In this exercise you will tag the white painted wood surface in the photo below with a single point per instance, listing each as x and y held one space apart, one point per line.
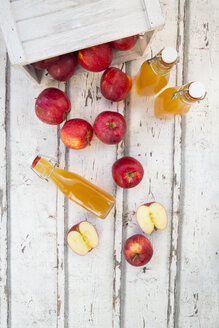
43 284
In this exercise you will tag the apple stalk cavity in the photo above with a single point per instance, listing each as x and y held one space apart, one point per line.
138 250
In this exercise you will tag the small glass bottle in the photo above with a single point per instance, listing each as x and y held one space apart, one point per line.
178 100
75 187
154 73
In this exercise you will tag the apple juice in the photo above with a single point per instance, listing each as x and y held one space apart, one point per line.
154 73
178 100
76 188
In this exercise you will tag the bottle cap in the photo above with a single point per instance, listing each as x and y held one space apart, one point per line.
197 90
169 55
32 161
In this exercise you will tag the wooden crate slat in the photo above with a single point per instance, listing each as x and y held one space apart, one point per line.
26 9
73 19
9 29
72 40
154 13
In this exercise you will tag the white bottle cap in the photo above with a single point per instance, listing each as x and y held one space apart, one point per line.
197 90
169 55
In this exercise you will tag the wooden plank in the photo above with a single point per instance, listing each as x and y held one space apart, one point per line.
199 281
176 186
4 202
145 289
33 215
90 278
11 36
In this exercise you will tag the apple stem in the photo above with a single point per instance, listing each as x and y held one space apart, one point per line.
130 175
135 257
112 125
88 138
122 66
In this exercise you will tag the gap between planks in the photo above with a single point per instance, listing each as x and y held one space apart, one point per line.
5 194
61 226
117 245
176 223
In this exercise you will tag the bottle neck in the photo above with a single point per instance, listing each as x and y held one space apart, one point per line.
44 168
158 66
183 94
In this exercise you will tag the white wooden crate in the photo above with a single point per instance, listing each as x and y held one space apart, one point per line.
41 29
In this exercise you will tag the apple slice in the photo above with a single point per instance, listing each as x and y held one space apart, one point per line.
151 216
82 238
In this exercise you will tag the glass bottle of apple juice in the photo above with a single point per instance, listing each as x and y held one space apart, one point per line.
154 73
75 187
178 100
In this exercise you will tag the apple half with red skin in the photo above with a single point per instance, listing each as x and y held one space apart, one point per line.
42 64
127 172
76 133
52 106
151 216
110 127
96 58
63 68
138 250
82 238
115 84
125 43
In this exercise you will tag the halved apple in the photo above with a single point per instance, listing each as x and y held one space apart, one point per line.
82 238
151 216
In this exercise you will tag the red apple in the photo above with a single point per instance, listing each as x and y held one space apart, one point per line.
138 250
151 216
82 238
125 43
127 172
76 133
42 64
115 85
110 127
52 106
96 58
63 68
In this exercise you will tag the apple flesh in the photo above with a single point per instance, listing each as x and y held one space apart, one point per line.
127 172
110 127
52 106
125 43
63 68
115 84
82 238
97 58
76 133
42 64
138 250
151 216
